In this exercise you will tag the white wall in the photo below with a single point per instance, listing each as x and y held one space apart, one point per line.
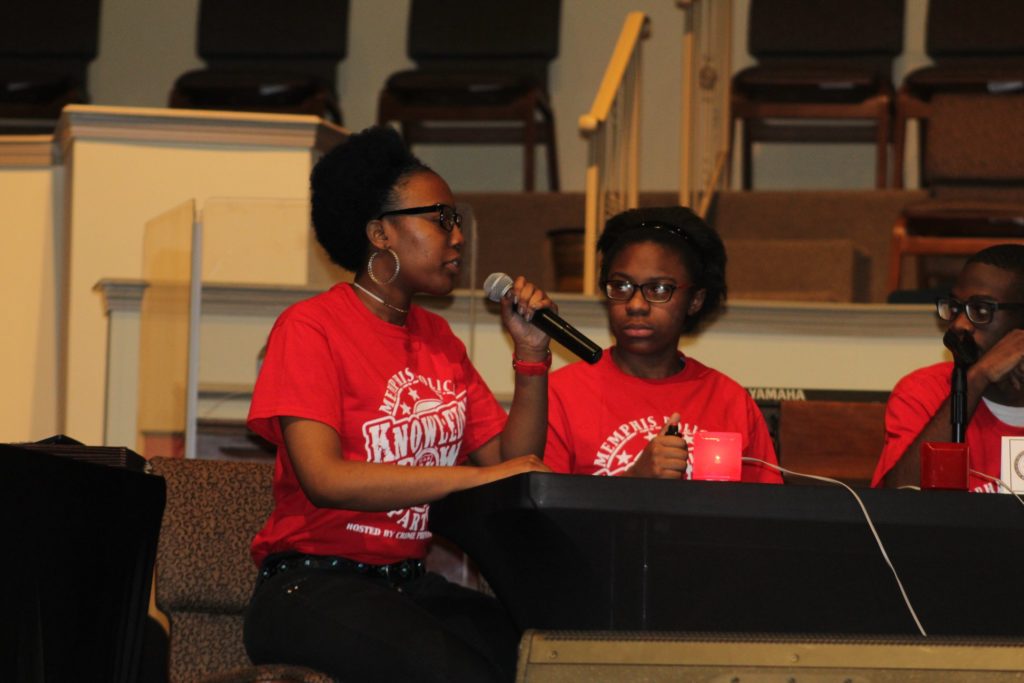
145 44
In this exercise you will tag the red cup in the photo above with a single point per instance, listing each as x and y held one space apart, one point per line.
716 456
944 465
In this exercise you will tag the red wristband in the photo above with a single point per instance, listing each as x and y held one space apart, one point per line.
522 367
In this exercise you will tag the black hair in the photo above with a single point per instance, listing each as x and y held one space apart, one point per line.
1009 257
681 230
353 184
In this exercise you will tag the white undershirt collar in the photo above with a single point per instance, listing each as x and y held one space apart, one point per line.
1011 415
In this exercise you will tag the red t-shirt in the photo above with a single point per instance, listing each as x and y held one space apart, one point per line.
600 419
913 403
394 394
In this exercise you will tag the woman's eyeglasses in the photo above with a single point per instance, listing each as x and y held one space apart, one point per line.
653 292
448 217
979 311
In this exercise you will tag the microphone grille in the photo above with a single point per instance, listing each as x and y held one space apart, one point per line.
964 350
496 285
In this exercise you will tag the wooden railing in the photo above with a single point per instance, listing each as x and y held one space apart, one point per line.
705 121
612 129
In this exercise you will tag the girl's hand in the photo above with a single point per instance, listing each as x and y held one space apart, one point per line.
517 309
666 456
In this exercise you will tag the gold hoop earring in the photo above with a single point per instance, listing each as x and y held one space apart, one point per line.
369 267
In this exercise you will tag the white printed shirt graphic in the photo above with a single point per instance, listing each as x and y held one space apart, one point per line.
423 424
625 444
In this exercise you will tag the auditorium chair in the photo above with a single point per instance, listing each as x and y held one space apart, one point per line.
823 74
267 56
481 77
204 574
976 46
974 172
837 439
45 50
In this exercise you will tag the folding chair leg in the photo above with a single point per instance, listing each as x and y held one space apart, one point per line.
882 149
746 154
899 145
896 249
553 182
529 145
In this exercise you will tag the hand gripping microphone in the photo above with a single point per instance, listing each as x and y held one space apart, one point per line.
497 286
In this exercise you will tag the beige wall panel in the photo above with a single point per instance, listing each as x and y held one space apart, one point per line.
262 241
814 362
28 315
117 188
229 348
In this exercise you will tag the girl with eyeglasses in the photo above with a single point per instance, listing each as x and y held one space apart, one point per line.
376 412
635 412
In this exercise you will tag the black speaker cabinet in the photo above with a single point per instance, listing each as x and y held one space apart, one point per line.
651 657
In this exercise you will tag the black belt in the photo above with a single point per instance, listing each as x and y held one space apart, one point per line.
395 573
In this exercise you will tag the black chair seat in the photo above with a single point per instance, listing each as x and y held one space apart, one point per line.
45 50
460 88
957 218
244 88
991 77
267 56
35 87
808 83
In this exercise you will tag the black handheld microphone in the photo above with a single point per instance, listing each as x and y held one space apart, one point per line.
497 285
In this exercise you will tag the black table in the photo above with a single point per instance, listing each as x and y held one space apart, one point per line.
580 552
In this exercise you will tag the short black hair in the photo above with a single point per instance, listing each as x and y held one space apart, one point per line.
353 184
681 230
1009 257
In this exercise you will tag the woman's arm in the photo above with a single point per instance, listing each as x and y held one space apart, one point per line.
329 480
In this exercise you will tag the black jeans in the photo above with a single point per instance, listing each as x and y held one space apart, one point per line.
359 628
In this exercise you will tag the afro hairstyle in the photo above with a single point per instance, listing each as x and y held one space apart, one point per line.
353 184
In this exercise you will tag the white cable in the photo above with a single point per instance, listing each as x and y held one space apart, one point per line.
1000 482
871 525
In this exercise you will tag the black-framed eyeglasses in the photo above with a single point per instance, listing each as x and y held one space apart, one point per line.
979 311
448 217
653 292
